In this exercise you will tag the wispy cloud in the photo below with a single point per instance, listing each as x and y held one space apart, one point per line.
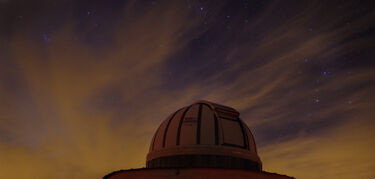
74 109
340 152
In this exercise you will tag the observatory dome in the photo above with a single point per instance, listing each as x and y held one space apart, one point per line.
204 135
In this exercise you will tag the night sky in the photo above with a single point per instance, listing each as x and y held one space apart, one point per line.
85 84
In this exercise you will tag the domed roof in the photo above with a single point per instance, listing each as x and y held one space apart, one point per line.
203 134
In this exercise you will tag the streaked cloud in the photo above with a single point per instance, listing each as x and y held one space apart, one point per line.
71 108
341 152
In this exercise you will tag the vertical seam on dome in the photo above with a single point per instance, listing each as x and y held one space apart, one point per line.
180 125
216 130
166 128
199 124
245 138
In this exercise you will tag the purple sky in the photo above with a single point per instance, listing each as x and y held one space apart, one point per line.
85 84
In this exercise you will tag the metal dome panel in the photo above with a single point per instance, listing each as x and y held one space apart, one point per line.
170 133
189 124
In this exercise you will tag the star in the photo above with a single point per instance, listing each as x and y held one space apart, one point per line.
46 38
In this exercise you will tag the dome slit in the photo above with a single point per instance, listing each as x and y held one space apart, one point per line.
207 133
216 123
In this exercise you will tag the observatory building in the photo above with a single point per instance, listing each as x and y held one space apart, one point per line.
202 140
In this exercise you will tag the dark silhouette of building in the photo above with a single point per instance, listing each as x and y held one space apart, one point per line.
203 140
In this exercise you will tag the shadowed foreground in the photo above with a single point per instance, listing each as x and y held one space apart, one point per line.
193 173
